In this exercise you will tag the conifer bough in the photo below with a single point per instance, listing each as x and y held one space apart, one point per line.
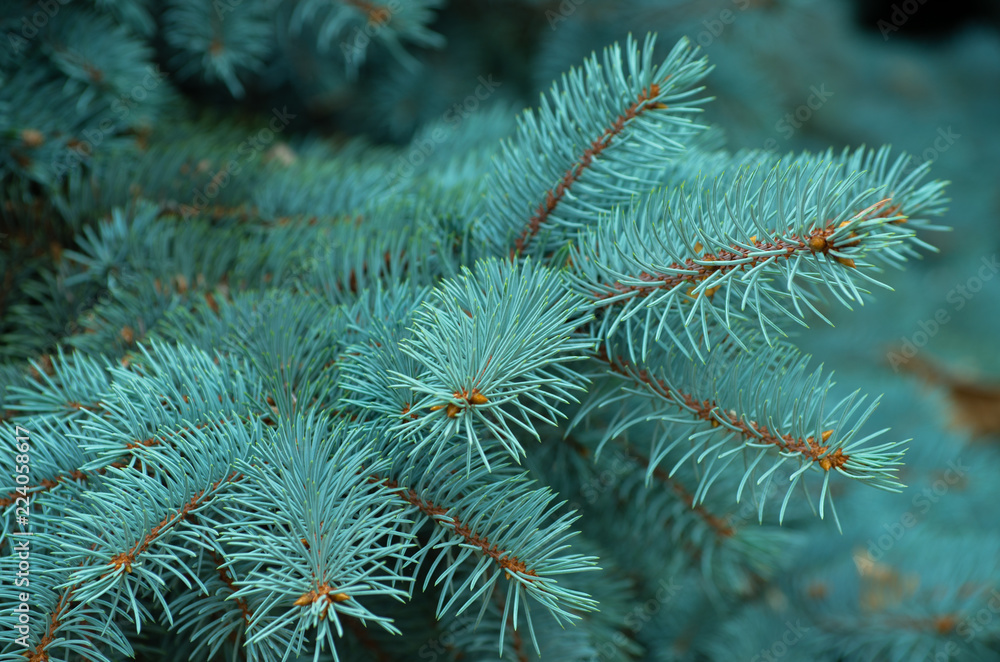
241 452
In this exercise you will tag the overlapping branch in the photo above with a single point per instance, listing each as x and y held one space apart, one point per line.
605 131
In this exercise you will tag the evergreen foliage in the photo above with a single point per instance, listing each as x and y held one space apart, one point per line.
287 397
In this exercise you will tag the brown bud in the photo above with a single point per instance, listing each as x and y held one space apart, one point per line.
944 624
32 138
210 299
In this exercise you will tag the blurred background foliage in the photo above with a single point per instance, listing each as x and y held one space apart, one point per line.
134 77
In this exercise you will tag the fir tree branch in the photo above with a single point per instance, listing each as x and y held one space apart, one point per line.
601 135
493 519
555 195
795 233
744 258
711 412
712 400
490 348
505 560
